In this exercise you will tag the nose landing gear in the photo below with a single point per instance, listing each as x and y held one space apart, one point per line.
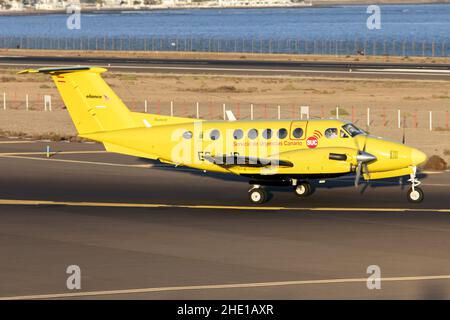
303 189
415 194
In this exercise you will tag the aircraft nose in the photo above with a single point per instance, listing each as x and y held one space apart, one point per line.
417 157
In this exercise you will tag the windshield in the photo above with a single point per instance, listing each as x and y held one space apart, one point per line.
352 130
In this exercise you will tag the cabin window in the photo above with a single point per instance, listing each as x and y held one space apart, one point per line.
253 134
267 133
282 133
187 134
331 133
238 134
344 134
214 134
297 133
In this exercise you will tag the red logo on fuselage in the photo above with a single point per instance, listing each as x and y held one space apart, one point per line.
312 142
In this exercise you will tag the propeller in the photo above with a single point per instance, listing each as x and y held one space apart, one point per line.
363 158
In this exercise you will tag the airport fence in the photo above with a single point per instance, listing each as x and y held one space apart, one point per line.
388 47
364 117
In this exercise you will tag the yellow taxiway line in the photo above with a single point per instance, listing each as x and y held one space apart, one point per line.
193 206
221 286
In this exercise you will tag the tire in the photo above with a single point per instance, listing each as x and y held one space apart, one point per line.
303 189
417 196
257 195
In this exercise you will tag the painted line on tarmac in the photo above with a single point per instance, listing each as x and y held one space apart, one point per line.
221 286
82 162
7 154
292 71
17 141
193 206
261 70
144 166
411 70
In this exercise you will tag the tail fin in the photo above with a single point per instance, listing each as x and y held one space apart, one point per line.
92 104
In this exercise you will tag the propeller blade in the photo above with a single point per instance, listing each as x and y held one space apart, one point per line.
358 174
357 144
363 158
363 189
366 170
365 143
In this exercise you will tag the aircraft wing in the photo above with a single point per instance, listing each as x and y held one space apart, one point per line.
243 161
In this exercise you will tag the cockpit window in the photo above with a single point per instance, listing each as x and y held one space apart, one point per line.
331 133
343 134
352 130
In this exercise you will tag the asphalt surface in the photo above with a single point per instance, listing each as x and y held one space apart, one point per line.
141 230
244 67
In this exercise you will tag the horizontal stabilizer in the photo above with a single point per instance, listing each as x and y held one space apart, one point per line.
52 70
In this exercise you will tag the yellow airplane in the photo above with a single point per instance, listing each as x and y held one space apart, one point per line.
283 152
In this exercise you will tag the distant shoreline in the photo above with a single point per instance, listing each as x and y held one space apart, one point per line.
316 4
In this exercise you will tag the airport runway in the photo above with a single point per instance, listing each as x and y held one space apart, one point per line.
142 230
244 67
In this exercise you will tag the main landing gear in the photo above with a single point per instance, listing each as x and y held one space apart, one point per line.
257 194
415 194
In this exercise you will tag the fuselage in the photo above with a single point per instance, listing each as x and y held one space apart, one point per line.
299 147
287 152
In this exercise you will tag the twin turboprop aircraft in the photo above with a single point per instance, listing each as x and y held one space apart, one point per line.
284 152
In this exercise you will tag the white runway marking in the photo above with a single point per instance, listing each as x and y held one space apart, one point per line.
411 70
292 71
17 141
80 161
22 155
221 286
7 154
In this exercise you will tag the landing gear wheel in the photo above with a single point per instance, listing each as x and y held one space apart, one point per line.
303 189
257 195
415 195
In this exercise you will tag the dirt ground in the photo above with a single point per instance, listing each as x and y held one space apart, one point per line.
415 99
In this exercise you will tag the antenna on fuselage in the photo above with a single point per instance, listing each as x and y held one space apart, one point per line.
404 126
230 115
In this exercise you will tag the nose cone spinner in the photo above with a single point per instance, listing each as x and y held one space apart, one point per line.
417 157
365 157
